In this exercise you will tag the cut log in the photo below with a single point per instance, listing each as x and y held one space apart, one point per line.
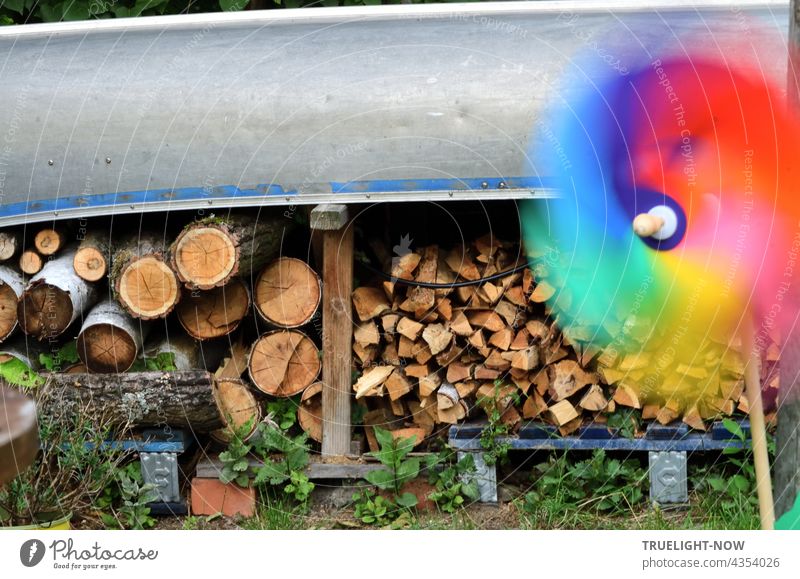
208 253
180 399
283 363
594 400
49 241
10 244
187 353
397 384
143 282
372 379
54 298
110 340
30 262
287 293
543 292
567 378
367 334
238 406
93 256
626 395
409 328
214 313
11 288
563 412
309 413
437 337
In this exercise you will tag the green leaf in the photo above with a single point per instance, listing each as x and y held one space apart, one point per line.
17 372
233 5
384 437
14 5
407 500
383 479
734 428
408 470
740 482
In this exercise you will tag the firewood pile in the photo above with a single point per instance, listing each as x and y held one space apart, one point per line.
430 357
115 294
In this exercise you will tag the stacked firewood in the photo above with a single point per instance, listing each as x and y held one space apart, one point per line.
429 357
110 291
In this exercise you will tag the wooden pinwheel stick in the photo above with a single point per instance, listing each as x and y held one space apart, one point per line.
758 431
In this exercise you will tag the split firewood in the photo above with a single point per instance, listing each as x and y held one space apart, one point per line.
562 412
309 412
283 362
567 378
287 293
110 340
369 302
208 253
54 298
142 280
372 379
10 244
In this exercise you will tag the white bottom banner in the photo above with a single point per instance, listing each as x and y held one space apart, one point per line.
403 554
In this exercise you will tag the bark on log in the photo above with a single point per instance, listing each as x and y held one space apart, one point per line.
143 282
110 340
287 293
11 288
182 399
309 413
30 262
283 363
54 298
10 244
206 254
188 353
237 406
25 350
216 312
93 256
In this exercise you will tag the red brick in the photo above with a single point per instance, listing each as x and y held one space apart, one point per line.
210 496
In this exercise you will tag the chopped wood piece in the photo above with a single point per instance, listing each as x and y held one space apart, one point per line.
420 297
510 314
409 328
445 308
429 384
389 354
389 322
477 340
417 370
309 412
367 333
625 395
562 412
650 411
452 415
287 293
403 266
527 281
486 319
284 362
369 302
570 426
537 329
459 325
516 296
543 292
635 362
446 396
594 400
611 376
526 359
510 417
496 361
214 313
437 337
397 384
567 378
502 339
366 354
534 406
484 373
459 372
467 388
521 341
692 418
462 265
371 379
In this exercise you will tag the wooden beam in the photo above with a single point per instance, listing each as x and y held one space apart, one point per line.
787 437
337 326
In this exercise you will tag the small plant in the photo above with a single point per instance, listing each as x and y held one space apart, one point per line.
17 372
448 477
378 509
161 362
127 497
289 469
627 421
600 483
234 458
283 411
57 361
496 450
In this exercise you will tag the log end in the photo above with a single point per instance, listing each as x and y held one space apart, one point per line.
283 363
44 311
8 310
148 288
48 241
90 264
205 257
237 405
287 293
30 262
216 312
105 349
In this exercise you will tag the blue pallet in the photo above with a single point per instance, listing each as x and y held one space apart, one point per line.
152 440
541 436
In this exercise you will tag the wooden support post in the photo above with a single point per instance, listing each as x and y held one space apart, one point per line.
787 437
337 326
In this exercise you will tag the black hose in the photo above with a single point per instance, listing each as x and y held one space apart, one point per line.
455 284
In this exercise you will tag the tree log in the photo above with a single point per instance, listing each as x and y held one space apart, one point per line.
237 406
143 282
183 399
49 241
283 363
287 293
93 256
110 340
216 312
10 244
54 298
188 353
11 288
206 254
30 262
